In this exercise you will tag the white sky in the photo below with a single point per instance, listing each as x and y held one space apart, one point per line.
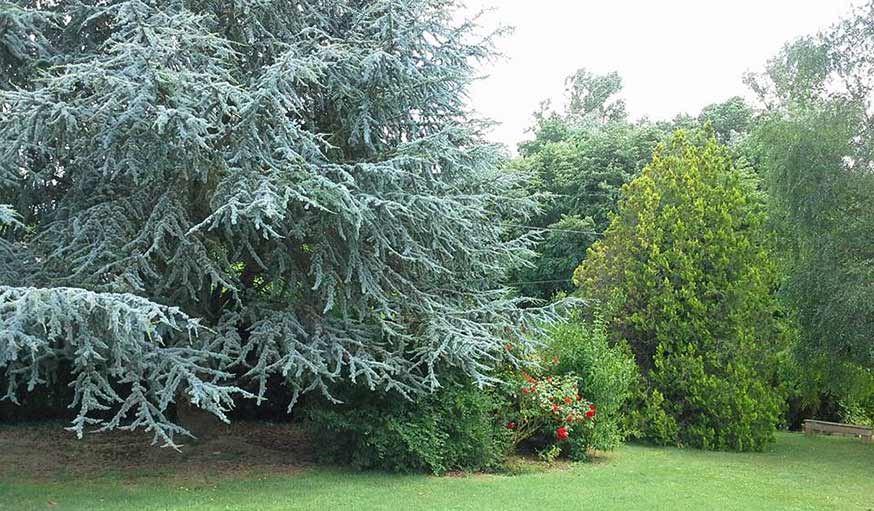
674 56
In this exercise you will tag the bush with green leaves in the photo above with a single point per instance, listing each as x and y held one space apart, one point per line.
858 411
606 374
710 403
457 428
687 277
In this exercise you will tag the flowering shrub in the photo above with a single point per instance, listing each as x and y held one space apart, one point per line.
606 371
551 408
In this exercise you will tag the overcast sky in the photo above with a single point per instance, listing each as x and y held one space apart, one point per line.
674 55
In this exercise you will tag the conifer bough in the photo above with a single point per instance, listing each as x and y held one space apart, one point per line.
204 195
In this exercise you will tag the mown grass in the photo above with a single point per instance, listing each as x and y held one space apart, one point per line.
796 473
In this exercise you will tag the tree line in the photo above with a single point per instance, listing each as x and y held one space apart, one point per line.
222 204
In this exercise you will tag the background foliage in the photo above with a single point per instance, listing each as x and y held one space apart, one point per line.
817 138
583 154
816 143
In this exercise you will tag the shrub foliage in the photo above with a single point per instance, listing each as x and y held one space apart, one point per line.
606 374
551 412
687 278
457 428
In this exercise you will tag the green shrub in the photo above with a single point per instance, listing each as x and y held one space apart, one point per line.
858 411
856 406
715 404
817 387
687 277
650 420
607 375
457 428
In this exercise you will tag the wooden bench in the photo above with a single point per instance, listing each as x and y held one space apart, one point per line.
835 428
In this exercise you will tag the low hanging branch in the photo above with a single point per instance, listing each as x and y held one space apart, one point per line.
125 351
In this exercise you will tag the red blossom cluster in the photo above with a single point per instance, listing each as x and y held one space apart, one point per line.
555 400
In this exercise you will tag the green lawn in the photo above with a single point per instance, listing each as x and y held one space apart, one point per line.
796 473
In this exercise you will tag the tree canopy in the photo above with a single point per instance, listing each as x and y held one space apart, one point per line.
817 138
583 154
202 196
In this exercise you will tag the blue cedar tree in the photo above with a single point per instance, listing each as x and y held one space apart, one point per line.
215 193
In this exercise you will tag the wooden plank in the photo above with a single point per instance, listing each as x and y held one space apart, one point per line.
849 429
836 428
844 429
817 421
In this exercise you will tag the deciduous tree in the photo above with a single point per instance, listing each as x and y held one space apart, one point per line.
818 145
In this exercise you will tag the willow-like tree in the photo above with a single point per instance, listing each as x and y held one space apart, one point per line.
204 196
817 138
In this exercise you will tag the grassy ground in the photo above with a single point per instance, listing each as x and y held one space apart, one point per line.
796 473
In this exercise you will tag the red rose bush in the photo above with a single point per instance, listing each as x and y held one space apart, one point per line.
551 409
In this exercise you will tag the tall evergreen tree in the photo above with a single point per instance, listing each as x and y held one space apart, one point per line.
208 194
686 276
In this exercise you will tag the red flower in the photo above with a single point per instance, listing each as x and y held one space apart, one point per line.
590 413
568 400
508 347
561 433
570 418
524 390
511 425
555 408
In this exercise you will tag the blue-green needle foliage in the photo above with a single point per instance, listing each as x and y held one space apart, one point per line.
205 195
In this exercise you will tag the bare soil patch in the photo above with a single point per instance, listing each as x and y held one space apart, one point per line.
47 451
